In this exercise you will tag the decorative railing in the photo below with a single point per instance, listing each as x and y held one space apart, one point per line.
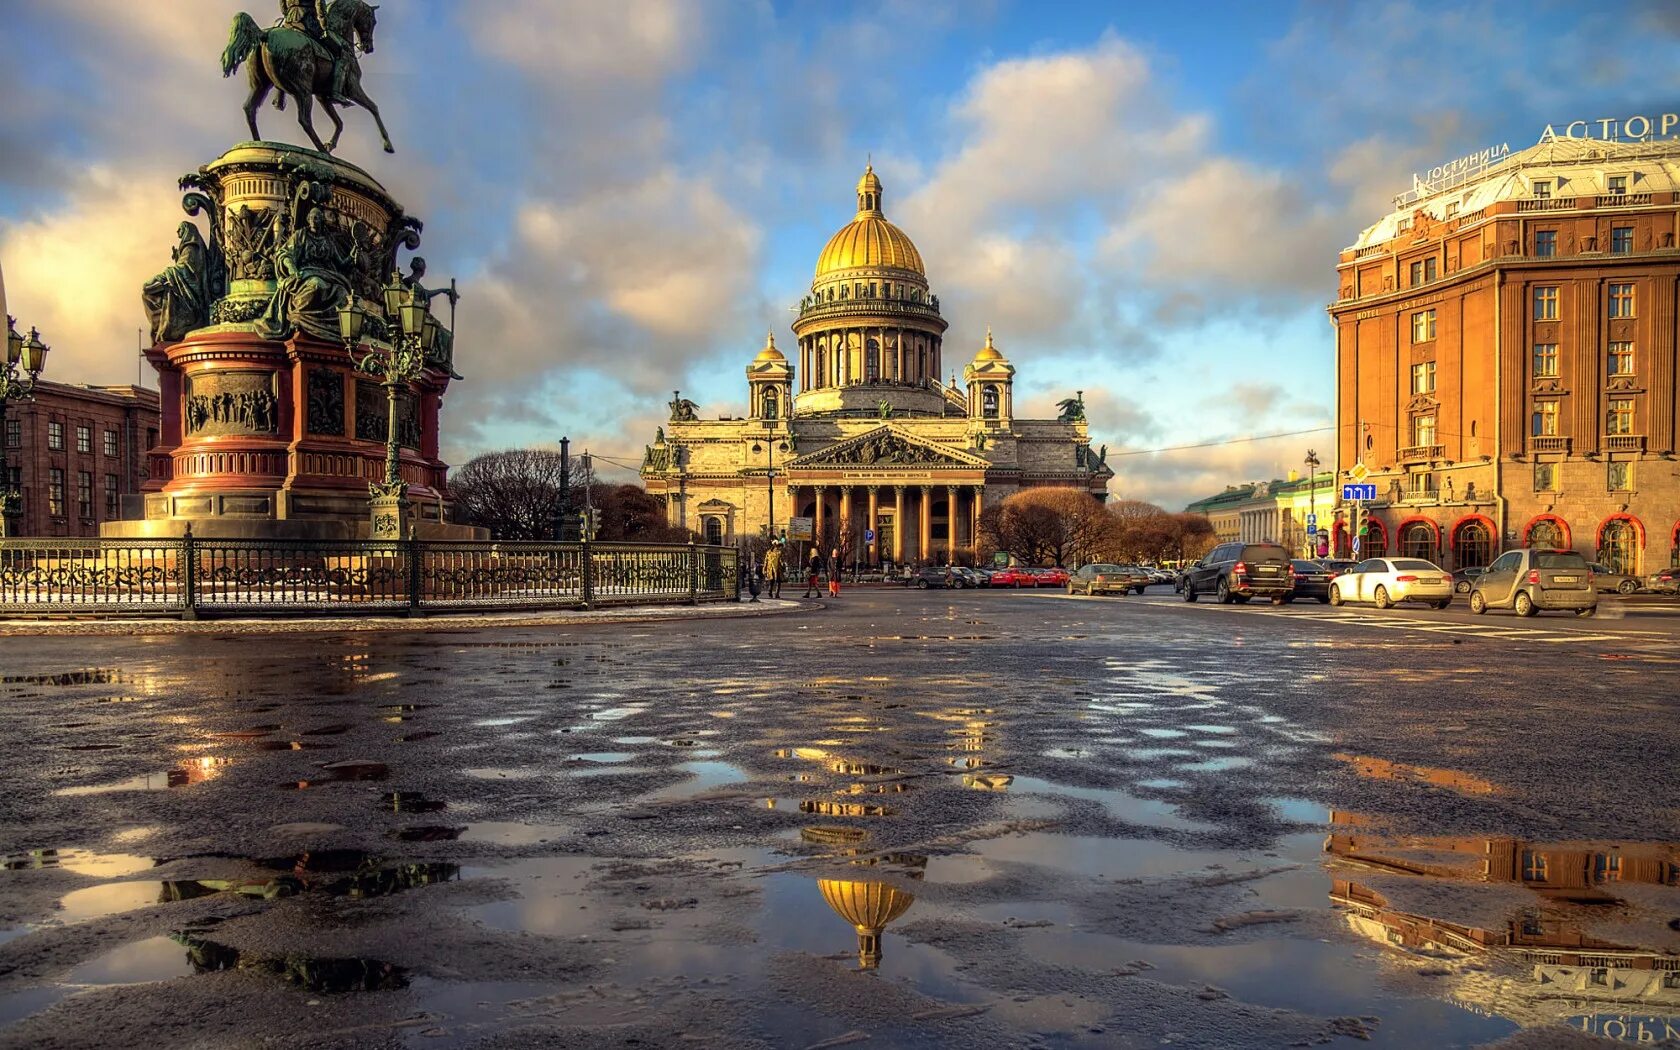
1622 200
1548 443
1547 204
1417 453
1624 442
191 577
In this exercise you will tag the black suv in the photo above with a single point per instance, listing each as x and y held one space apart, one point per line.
1236 572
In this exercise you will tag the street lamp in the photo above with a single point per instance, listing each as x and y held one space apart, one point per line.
773 447
410 342
25 358
1312 499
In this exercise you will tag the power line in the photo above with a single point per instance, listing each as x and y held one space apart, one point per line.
1222 441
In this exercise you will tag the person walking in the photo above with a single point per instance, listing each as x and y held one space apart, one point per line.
773 568
813 575
835 568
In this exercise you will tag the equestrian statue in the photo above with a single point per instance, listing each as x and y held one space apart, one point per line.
311 56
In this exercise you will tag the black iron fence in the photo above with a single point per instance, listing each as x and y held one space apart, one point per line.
211 577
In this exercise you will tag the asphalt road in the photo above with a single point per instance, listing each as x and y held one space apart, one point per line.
921 819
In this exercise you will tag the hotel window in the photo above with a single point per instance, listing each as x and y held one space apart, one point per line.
1618 185
1452 209
1533 866
84 493
55 492
111 443
1405 224
1621 359
55 435
84 439
1424 271
1423 430
1546 303
1545 361
1619 420
1599 975
1545 243
1621 300
1621 240
113 496
14 433
1419 483
1619 476
1607 867
1542 189
1423 326
1545 419
1423 377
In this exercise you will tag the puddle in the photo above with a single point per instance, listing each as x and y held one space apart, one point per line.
82 862
605 756
500 773
1090 855
1222 764
110 899
702 777
551 900
512 833
192 772
140 962
1121 805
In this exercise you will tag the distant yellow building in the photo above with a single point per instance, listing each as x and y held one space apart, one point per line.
870 441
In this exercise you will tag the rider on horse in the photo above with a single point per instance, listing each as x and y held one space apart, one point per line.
309 18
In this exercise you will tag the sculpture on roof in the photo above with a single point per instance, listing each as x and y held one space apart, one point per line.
682 409
1072 409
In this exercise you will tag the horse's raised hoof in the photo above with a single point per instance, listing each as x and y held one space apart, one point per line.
389 148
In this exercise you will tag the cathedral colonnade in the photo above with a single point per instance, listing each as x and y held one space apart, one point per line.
913 522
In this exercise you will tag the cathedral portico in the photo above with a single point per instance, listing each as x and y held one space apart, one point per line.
865 439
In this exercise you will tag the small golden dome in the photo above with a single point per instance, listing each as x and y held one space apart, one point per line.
869 240
769 353
988 352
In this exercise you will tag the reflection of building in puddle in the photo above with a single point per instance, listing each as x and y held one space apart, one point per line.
1451 779
987 781
323 976
869 906
1600 986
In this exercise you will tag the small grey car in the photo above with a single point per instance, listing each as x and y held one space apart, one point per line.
1532 579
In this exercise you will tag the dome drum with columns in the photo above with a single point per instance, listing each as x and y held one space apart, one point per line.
856 431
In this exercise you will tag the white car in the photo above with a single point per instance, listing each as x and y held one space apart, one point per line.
1389 581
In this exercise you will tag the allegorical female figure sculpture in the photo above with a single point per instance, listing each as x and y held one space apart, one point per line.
313 273
178 299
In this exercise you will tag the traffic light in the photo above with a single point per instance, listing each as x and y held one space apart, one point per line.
1364 523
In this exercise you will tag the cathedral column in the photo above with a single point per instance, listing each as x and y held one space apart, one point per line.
951 520
845 512
898 524
925 550
817 537
979 506
874 556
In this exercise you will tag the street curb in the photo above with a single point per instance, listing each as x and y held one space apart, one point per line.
458 622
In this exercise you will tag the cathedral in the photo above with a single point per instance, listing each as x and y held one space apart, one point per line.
857 434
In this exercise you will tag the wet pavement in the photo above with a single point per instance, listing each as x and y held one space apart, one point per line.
916 819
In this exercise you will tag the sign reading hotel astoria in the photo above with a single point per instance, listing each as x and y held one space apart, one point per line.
1612 129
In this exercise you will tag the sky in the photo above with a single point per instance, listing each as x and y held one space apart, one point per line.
1144 202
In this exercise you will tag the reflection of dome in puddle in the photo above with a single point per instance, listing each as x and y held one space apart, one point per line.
833 834
869 906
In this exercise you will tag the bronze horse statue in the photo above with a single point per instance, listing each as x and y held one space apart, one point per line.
288 60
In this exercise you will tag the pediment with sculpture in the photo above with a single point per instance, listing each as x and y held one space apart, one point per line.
887 447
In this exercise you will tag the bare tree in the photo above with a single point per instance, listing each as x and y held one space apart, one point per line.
1054 525
514 493
1158 537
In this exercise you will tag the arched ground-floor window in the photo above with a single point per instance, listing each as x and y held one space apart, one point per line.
1472 545
714 530
1417 540
1547 532
1376 540
1618 546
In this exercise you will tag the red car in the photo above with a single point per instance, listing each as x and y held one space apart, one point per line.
1014 576
1051 577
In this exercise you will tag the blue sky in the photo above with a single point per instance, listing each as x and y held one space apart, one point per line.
1143 201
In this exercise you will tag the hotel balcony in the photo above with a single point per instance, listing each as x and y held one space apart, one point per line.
1623 200
1422 453
1547 204
1550 443
1624 443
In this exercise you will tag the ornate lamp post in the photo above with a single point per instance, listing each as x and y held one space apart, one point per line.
402 364
25 358
773 446
1312 499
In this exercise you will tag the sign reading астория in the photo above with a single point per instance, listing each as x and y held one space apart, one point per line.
1614 129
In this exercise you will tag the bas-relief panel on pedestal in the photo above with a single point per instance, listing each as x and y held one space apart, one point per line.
371 410
325 394
231 403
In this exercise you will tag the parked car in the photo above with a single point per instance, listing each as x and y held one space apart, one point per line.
1663 581
982 577
1158 575
1052 577
1463 578
1341 565
1013 576
1386 582
1140 577
1100 578
964 577
1532 579
929 576
1621 582
1240 571
1312 580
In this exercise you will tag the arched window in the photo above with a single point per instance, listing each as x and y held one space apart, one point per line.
772 403
989 401
1545 533
1417 540
1618 546
1376 542
714 530
1472 545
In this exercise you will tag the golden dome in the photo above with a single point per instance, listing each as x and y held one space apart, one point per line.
988 352
867 905
869 240
769 353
